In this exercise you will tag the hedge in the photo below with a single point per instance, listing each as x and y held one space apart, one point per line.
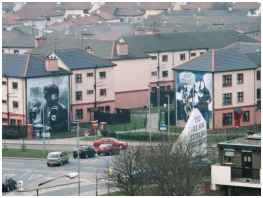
145 136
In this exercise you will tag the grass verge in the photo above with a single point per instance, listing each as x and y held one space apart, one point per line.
30 153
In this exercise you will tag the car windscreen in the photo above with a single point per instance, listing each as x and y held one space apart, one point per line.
53 155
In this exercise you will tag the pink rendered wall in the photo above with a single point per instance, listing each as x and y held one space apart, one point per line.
253 117
132 99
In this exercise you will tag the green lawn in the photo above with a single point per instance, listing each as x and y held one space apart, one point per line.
30 153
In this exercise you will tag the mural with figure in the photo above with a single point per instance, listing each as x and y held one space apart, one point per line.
48 103
194 90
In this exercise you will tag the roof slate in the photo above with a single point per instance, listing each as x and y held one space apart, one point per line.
225 60
139 46
36 68
17 39
80 59
14 65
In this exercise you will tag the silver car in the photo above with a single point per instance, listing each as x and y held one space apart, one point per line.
57 158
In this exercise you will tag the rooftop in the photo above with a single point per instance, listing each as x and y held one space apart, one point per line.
250 141
36 68
14 65
17 39
80 59
38 11
224 60
139 46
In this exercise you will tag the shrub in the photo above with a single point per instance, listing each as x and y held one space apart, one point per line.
13 132
108 133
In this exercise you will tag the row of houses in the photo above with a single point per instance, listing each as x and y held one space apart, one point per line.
131 68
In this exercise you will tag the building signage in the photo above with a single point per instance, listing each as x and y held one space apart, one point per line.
194 134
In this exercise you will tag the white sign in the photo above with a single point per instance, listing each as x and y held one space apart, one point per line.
194 134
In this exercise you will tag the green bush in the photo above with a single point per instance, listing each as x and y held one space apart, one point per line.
145 136
108 133
13 132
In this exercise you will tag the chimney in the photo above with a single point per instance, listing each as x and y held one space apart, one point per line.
213 59
39 41
122 47
51 63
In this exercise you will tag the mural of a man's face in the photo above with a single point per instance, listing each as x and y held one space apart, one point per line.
51 95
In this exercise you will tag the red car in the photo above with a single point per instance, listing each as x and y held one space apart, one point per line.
107 149
114 142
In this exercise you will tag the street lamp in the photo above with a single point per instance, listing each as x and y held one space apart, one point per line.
77 129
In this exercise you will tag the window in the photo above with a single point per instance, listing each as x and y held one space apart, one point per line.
16 51
240 78
4 101
89 92
13 122
193 54
201 53
79 114
227 119
15 104
240 96
78 78
89 74
14 85
90 109
227 99
164 58
168 88
258 93
3 82
102 74
78 95
103 92
228 156
182 57
258 75
227 80
107 109
246 116
101 108
165 74
154 73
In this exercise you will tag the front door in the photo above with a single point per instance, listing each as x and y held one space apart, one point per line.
247 164
237 117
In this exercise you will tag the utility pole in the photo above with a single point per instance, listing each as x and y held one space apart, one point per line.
149 118
168 116
158 88
43 130
95 87
78 158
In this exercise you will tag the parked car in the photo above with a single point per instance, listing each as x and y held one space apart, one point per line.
107 149
114 142
9 185
57 158
84 152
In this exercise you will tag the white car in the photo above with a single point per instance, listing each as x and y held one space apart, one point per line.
57 158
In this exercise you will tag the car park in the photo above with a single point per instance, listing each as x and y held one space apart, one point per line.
114 142
57 158
87 151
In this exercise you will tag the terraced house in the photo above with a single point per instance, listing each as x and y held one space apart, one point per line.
71 81
145 62
224 84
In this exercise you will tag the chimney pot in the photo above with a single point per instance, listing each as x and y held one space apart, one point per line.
51 63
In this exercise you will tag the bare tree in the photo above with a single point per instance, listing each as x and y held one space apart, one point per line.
169 171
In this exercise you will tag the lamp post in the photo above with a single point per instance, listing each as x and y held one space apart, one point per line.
76 122
168 100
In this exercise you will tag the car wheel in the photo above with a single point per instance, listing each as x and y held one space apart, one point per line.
48 164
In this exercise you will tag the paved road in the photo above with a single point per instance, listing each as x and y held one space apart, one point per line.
36 171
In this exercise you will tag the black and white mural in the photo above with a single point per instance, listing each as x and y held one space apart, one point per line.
48 103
